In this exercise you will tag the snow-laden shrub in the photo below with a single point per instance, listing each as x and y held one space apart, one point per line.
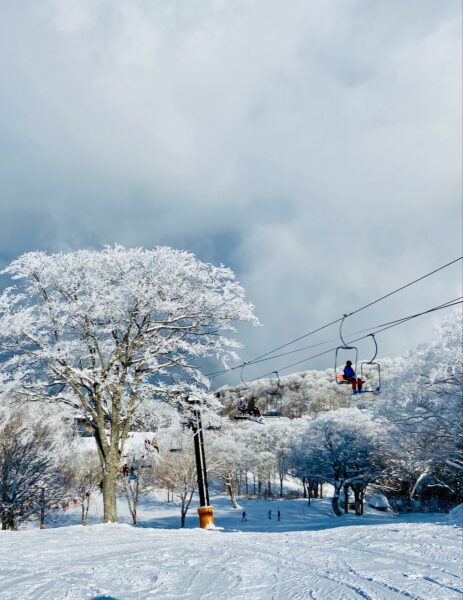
379 501
456 515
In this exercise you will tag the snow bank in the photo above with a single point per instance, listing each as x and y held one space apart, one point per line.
456 515
379 501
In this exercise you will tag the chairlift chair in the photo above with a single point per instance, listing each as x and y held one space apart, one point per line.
213 426
276 399
175 443
339 377
376 368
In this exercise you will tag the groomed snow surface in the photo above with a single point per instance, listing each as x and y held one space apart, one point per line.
308 554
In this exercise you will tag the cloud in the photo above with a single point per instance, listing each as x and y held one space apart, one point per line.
313 146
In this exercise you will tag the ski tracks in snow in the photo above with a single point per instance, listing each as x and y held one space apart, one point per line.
377 562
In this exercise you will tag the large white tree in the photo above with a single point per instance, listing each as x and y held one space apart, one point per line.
101 331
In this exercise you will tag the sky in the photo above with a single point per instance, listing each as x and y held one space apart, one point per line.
313 146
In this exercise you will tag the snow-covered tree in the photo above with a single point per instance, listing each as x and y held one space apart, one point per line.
228 457
32 474
85 476
343 448
177 472
138 485
100 331
426 409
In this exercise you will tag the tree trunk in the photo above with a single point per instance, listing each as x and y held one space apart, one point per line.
109 495
335 500
358 503
231 491
182 510
42 508
346 499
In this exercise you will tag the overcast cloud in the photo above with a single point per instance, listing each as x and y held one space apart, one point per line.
315 147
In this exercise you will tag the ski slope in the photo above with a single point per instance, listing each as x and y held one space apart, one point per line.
308 554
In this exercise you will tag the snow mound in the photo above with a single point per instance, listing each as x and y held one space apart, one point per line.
456 515
379 501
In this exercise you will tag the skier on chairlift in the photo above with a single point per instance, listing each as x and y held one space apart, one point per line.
242 406
252 408
350 376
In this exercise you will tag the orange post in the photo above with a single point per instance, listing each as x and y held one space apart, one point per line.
206 517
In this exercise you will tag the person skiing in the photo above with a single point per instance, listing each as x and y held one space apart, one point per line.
269 514
350 376
278 515
244 516
125 470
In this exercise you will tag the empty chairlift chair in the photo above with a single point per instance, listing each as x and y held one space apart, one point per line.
371 370
275 401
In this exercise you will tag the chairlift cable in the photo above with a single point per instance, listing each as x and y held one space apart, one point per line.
384 327
369 329
254 360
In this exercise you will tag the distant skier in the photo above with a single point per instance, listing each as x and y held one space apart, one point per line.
350 376
244 516
269 514
278 515
125 470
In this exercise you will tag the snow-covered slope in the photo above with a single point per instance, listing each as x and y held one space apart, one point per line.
375 557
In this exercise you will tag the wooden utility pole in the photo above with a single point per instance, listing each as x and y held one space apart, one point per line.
206 515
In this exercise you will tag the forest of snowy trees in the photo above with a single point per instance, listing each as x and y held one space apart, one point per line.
406 442
90 337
